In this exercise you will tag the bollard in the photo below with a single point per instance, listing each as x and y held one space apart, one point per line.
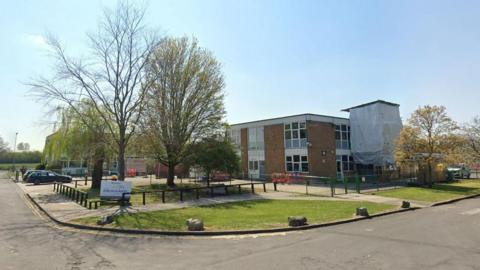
76 183
239 189
275 186
345 183
163 196
264 188
143 198
226 190
197 193
85 199
181 195
81 198
253 188
86 178
90 205
54 186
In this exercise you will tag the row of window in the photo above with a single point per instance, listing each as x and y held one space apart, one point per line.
299 163
295 135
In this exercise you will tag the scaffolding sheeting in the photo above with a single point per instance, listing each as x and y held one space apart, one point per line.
374 129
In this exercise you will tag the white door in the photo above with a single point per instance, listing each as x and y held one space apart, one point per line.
254 168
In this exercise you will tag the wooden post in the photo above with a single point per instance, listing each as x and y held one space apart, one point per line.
239 189
264 188
275 186
163 196
76 183
181 195
143 198
197 193
253 188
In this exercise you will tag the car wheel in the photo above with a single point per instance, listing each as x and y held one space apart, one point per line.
36 182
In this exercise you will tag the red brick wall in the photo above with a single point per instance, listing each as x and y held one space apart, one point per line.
321 152
274 149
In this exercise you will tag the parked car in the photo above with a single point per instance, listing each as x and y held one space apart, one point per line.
28 173
459 171
38 177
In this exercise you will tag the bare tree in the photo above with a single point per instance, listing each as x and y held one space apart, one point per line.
3 146
185 100
113 78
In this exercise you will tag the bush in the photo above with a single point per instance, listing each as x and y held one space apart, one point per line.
40 167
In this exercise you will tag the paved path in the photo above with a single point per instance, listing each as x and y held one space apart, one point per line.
445 237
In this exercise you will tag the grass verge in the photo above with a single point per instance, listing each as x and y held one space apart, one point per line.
439 192
257 214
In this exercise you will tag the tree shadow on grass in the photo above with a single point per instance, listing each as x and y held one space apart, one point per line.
454 189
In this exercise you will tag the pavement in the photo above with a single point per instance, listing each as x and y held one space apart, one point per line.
444 237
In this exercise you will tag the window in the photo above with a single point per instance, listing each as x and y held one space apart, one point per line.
346 163
295 135
342 137
296 163
255 138
236 137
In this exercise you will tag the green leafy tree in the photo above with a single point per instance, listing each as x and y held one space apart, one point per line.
215 154
81 136
429 135
185 100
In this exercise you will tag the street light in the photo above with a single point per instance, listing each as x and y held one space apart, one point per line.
14 149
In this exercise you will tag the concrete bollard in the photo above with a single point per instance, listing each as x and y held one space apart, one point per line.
194 224
297 221
362 211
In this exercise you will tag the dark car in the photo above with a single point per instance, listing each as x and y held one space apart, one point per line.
28 173
38 177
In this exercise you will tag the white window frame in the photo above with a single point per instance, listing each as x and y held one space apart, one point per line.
342 143
302 160
295 143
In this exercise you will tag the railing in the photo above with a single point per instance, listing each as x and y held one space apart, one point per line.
74 194
81 197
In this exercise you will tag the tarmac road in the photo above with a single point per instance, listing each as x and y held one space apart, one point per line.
445 237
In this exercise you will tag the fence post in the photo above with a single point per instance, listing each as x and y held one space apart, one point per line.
76 183
163 196
275 186
345 183
332 186
86 178
181 195
357 183
306 186
253 188
264 188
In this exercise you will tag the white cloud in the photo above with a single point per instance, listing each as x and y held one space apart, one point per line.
35 40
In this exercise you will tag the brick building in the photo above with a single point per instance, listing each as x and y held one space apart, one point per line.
318 145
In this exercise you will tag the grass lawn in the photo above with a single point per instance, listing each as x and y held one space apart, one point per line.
257 214
439 192
8 166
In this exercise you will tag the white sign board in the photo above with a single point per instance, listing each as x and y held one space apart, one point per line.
115 189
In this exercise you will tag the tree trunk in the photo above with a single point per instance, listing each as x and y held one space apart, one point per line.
121 163
430 180
171 175
97 173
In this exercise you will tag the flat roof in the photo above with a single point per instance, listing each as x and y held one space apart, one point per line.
371 103
289 116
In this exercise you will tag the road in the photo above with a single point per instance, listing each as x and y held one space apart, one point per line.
446 237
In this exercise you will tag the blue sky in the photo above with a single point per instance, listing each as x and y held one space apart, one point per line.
279 57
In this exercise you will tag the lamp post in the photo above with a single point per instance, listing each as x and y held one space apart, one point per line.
14 149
